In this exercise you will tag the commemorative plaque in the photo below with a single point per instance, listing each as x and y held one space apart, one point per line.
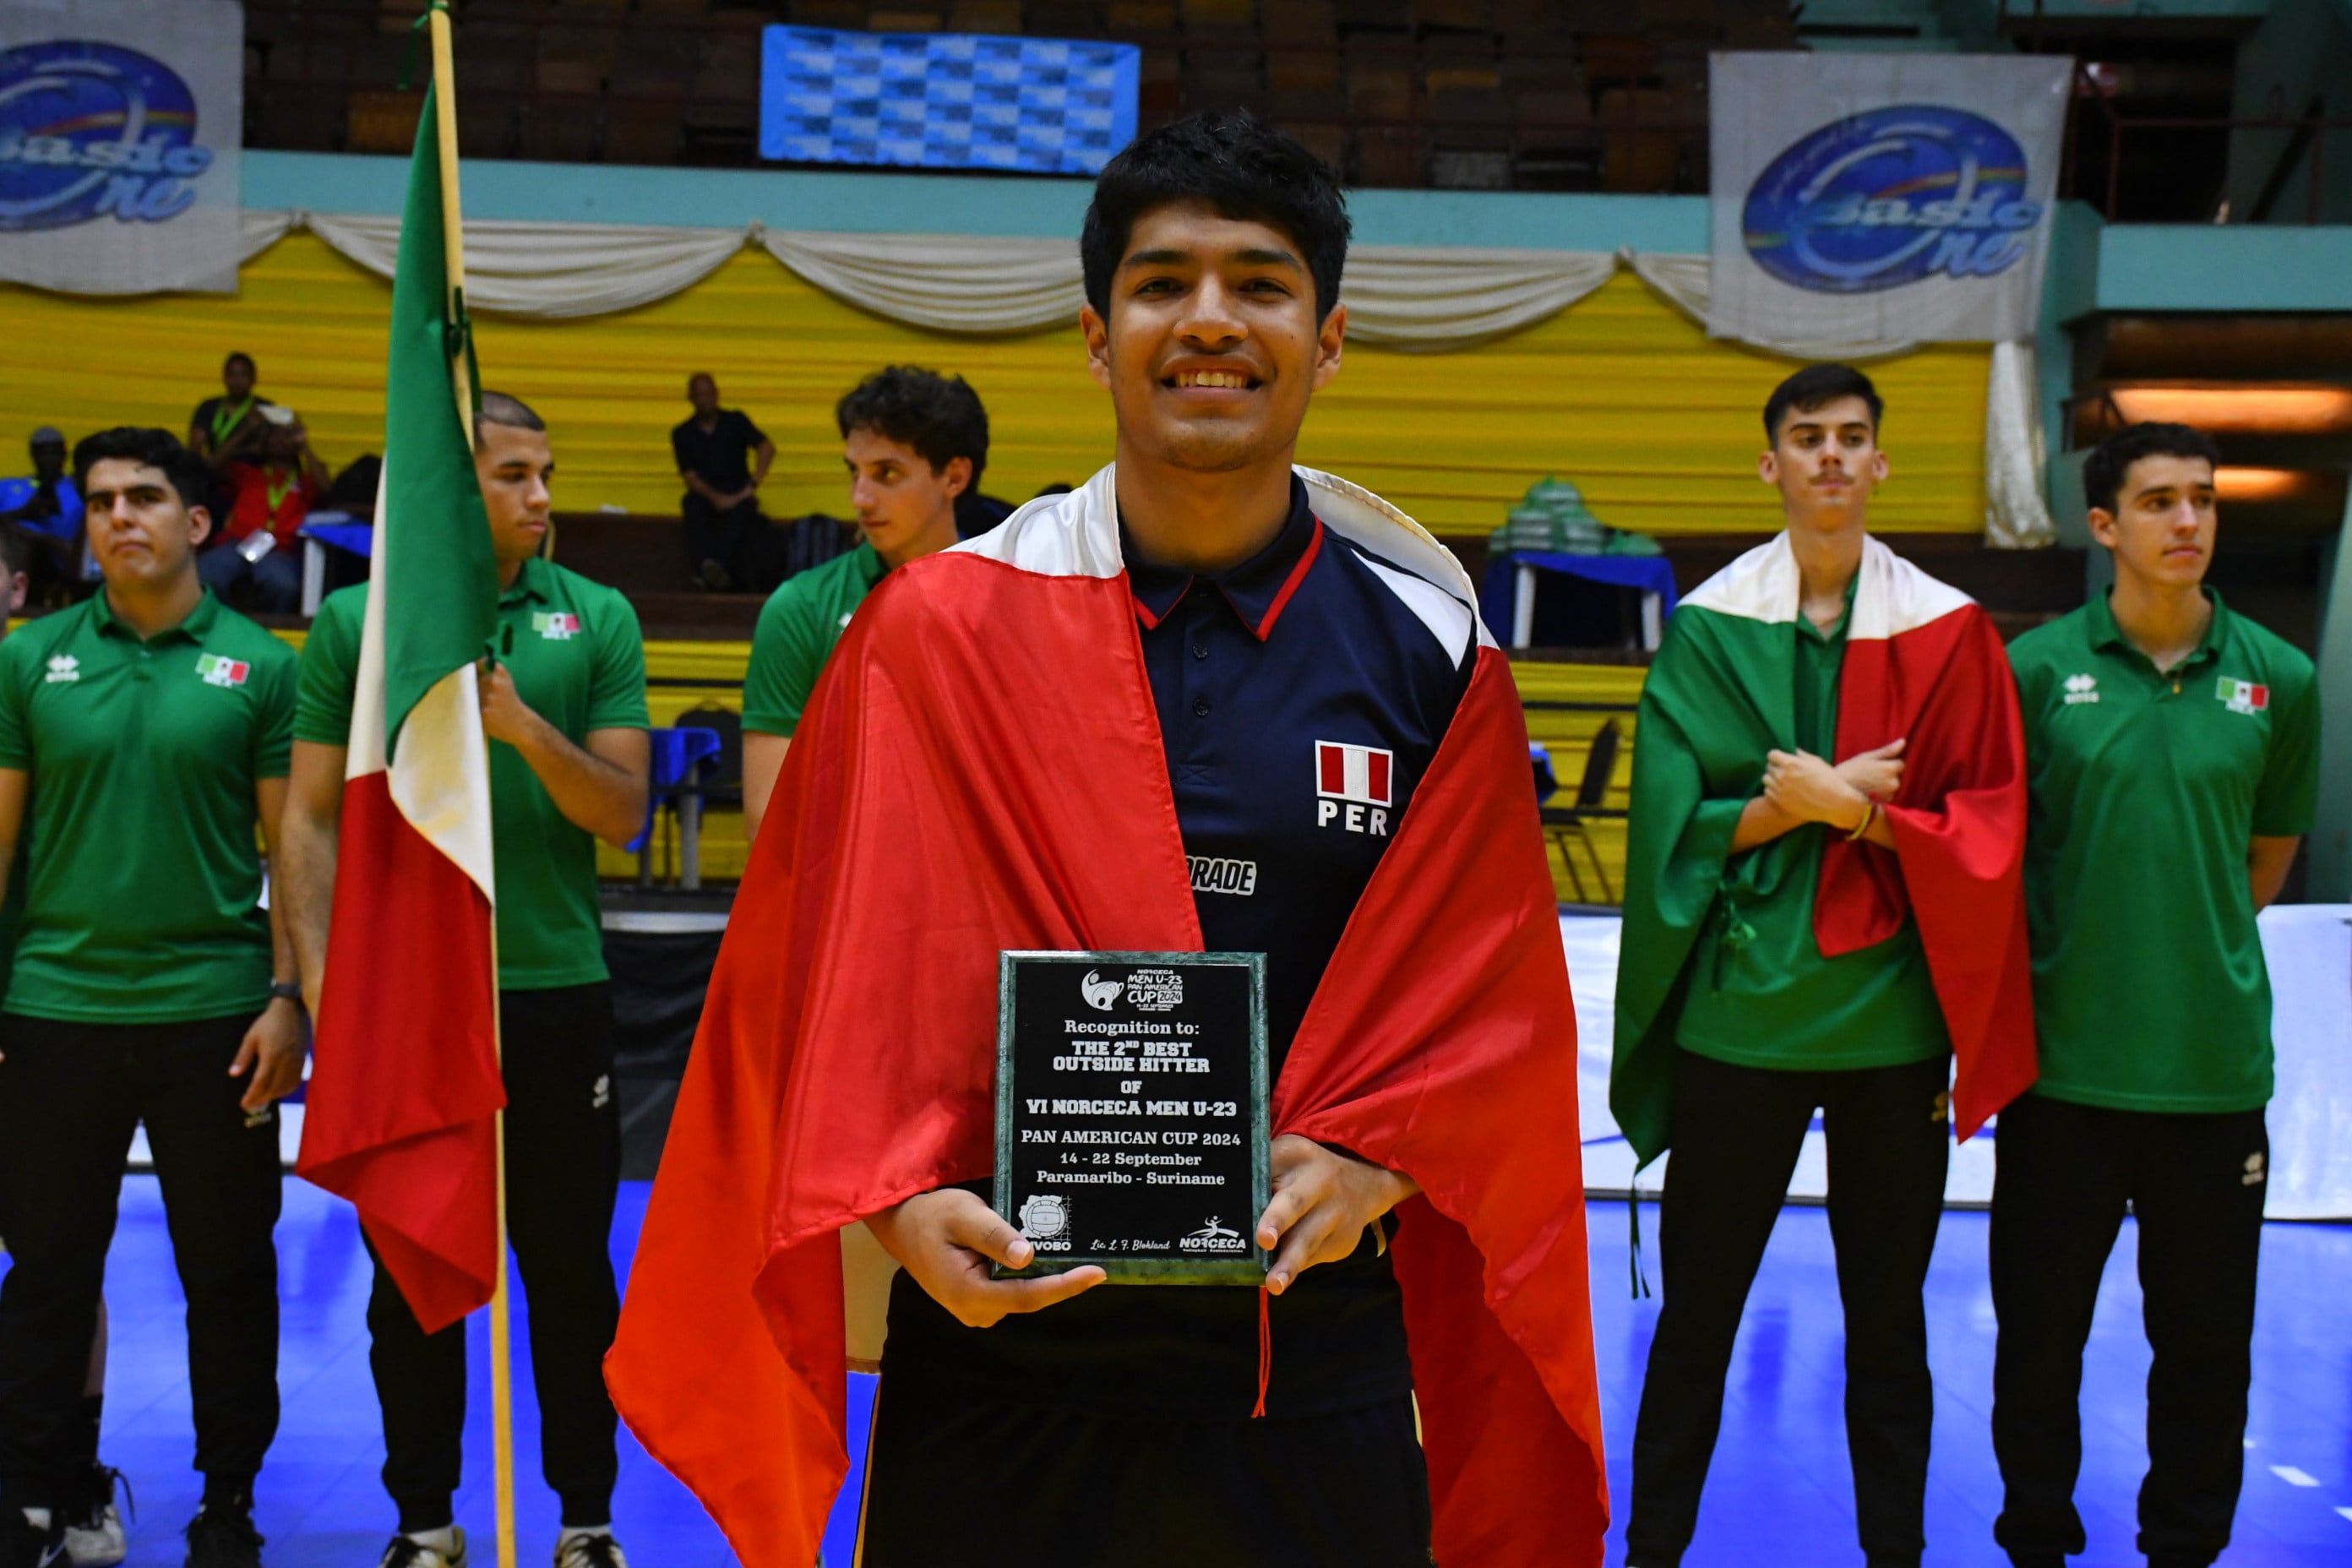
1131 1113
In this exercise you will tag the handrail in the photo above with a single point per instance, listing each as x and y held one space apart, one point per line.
2309 128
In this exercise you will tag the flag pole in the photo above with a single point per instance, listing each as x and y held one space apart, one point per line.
453 236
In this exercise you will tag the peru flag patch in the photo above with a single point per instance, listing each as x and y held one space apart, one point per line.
1359 774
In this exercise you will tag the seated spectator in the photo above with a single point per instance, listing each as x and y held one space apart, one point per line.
273 493
223 428
723 458
15 561
46 511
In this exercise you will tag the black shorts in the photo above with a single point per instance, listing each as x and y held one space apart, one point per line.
956 1479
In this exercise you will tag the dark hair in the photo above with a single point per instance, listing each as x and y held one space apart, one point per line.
1238 165
2109 464
236 356
938 415
1815 385
505 409
159 449
16 549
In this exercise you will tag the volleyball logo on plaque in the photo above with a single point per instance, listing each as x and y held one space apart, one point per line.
1131 1113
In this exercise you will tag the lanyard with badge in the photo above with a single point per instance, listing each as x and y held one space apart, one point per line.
226 420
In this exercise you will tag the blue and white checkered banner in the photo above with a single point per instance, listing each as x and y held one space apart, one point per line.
120 123
945 101
1883 197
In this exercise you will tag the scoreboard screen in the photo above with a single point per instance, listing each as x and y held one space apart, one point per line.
945 101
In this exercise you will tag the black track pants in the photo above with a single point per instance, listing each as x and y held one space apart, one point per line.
1737 1133
563 1165
71 1095
2195 1184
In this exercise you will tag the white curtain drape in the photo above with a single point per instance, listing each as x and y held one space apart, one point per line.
2017 515
1430 298
1687 282
546 270
950 283
1435 298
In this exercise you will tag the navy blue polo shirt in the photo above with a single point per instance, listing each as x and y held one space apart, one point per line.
1301 696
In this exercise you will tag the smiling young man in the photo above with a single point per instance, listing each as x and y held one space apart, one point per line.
565 704
2174 748
913 441
1823 906
142 740
1067 734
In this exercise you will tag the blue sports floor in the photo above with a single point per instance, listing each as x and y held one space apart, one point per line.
1778 1498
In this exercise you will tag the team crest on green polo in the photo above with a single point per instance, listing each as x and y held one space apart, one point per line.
555 625
219 671
2242 696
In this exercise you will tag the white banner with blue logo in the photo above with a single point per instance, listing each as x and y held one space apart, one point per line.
120 123
1883 197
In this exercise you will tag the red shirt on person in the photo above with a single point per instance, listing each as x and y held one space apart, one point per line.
275 496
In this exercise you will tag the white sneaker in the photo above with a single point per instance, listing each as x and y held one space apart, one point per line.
596 1550
405 1553
97 1540
94 1537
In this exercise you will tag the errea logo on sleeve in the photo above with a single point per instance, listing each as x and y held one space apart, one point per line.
556 626
219 671
2241 696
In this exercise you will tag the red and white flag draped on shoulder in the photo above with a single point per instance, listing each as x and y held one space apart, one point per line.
980 769
405 1090
1924 664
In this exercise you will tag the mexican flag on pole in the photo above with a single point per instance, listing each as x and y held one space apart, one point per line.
405 1090
1924 664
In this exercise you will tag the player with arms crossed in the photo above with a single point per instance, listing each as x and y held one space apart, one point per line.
1823 907
1018 744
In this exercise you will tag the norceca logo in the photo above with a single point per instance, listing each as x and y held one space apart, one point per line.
89 131
1891 197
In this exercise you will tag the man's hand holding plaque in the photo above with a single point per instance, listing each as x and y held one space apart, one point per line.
947 1239
1323 1199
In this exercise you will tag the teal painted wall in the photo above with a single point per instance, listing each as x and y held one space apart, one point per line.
2301 52
2331 838
940 203
2235 267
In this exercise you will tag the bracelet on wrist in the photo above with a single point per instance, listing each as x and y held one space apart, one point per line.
1869 816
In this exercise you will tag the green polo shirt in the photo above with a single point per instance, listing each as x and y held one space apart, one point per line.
579 663
798 627
2149 989
1760 992
142 876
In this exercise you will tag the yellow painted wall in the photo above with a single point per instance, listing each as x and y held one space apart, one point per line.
1621 394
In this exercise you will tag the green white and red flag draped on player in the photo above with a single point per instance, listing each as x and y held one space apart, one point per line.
405 1092
980 769
1924 664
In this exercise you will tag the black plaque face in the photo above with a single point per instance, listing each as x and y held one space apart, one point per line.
1131 1113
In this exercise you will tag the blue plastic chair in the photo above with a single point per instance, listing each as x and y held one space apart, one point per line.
680 759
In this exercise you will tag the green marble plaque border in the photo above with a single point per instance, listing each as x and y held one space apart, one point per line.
1249 1270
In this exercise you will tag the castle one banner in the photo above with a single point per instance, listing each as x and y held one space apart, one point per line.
1883 197
120 123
